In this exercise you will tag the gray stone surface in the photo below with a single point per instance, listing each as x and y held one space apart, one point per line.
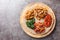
10 11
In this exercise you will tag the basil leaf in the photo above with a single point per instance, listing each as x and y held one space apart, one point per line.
30 23
32 26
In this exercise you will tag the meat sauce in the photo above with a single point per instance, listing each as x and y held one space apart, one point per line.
39 28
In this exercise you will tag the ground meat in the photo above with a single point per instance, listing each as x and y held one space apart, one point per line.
39 27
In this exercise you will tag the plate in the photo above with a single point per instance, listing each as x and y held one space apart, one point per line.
29 31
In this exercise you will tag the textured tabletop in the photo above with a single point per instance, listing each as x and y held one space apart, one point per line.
10 11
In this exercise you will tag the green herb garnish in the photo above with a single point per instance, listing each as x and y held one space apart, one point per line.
30 23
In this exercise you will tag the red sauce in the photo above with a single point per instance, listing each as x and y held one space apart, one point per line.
47 20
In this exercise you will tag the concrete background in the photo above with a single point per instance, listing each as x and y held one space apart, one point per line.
10 11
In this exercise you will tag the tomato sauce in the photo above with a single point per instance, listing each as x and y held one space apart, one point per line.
47 20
